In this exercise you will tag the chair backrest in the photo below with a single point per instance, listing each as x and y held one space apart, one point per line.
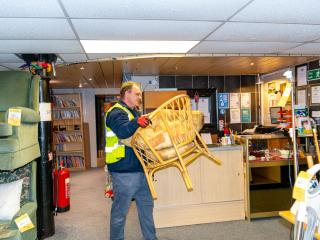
172 124
18 89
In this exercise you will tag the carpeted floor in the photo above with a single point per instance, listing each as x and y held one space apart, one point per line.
89 219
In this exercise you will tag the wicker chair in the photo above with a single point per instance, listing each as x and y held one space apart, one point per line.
171 141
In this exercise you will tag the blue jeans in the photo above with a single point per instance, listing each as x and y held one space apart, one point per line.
127 186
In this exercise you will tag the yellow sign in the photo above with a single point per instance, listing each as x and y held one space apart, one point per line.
301 186
14 117
24 223
285 96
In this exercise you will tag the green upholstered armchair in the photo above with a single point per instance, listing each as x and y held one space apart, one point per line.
28 202
19 144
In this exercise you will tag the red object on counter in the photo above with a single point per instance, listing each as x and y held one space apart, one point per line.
226 131
61 188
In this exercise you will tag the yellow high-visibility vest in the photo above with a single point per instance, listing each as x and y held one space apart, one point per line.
114 149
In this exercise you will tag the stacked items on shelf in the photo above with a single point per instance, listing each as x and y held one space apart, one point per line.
71 161
68 133
285 119
66 114
67 137
59 102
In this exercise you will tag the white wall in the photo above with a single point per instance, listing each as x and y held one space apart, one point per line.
89 112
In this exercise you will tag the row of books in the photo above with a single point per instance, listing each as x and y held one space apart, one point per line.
66 114
63 102
70 161
67 137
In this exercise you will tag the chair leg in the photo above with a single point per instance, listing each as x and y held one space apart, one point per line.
185 176
210 157
151 186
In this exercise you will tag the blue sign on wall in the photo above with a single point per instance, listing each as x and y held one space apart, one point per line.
223 100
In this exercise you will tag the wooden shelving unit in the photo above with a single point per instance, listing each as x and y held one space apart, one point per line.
267 186
68 132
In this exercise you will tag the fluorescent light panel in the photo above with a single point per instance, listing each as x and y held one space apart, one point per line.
108 46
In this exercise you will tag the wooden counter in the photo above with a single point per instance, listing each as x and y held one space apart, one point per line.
218 193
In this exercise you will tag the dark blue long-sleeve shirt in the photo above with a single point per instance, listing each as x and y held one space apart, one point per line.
119 123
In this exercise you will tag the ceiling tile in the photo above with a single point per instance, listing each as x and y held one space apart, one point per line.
241 47
154 9
73 57
309 48
40 46
12 65
284 11
35 28
142 29
10 58
30 8
266 32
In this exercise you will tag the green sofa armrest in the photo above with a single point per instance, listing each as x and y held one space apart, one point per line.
31 209
5 129
28 115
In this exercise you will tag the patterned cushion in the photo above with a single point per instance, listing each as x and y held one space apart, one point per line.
24 173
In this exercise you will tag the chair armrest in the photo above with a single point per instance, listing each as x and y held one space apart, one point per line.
5 129
30 208
28 115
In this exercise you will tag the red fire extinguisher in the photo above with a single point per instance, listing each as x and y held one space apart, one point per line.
61 180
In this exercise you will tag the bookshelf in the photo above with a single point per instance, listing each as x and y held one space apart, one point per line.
68 131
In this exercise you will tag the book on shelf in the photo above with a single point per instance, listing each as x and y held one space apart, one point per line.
66 114
60 102
70 161
67 137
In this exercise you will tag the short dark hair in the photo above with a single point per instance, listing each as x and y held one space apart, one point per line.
126 86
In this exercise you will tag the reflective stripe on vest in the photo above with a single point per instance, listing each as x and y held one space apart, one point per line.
115 151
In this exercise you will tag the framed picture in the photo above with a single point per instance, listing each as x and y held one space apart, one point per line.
314 95
302 97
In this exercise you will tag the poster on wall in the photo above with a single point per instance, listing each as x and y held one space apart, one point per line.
204 106
235 115
246 115
302 76
223 100
245 100
234 100
315 95
301 97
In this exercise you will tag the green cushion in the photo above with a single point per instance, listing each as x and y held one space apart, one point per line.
28 115
5 130
10 145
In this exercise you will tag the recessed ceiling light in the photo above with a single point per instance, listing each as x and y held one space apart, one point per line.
90 79
108 46
252 63
82 68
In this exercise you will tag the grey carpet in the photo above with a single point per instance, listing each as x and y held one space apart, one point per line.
89 219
